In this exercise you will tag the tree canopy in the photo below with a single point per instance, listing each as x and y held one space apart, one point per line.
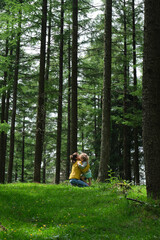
61 46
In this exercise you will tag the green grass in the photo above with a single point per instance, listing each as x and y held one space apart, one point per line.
39 212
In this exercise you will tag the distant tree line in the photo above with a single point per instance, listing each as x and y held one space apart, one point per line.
73 82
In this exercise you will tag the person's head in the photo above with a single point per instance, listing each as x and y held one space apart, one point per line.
84 157
74 157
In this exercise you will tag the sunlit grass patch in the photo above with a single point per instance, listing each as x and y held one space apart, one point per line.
38 212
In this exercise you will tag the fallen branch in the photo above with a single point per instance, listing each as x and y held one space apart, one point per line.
145 203
135 200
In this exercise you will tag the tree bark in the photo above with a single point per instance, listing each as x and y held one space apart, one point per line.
135 129
44 167
59 124
151 97
41 99
69 110
3 134
12 133
106 107
74 111
23 150
126 145
47 86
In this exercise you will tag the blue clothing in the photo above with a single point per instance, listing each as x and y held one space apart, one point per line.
79 183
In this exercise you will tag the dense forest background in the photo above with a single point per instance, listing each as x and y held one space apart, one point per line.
40 109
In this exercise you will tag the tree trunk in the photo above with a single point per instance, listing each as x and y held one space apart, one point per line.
16 172
3 134
74 117
41 99
47 85
106 107
151 97
135 129
44 167
126 153
82 139
12 133
59 125
69 110
126 145
96 128
23 150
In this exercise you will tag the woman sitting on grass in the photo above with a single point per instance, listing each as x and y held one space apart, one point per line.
76 172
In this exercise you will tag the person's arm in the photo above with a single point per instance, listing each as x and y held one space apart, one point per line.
83 165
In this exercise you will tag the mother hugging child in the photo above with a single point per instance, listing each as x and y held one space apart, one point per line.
80 170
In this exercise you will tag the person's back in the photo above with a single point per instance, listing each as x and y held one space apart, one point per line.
76 171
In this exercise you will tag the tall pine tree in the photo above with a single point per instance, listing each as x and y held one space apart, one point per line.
151 97
41 99
106 106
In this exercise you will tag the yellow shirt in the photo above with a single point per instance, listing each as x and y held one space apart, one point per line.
76 171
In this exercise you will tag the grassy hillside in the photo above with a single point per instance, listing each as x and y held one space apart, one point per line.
39 212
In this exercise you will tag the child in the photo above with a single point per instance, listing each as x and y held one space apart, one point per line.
84 166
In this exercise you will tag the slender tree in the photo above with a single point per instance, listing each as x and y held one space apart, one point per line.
151 97
12 133
135 129
126 145
69 108
106 107
7 104
3 119
41 99
47 83
74 111
23 150
59 125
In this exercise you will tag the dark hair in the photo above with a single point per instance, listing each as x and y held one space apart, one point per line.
73 157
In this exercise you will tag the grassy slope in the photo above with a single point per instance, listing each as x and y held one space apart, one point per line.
39 212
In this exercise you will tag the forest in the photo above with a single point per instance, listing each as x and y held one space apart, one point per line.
80 76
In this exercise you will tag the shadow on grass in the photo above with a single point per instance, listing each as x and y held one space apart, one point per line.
39 212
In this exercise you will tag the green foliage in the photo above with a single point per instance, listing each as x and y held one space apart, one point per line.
39 212
4 127
115 183
4 64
